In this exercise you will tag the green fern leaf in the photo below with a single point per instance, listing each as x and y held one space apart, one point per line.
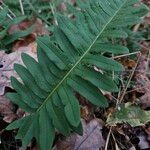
65 65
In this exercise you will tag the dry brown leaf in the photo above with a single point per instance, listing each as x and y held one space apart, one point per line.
39 28
128 63
7 62
7 110
24 42
143 82
91 140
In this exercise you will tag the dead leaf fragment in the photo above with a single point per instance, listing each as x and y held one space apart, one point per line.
128 63
128 113
39 28
7 62
91 140
143 82
143 144
7 110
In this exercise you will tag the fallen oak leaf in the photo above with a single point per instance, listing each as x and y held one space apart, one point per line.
7 62
91 140
92 137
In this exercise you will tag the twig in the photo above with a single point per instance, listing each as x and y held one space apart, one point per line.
136 27
145 47
136 89
55 19
134 53
21 7
116 145
130 78
138 71
107 140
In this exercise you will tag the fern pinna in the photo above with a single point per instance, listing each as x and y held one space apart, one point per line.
65 65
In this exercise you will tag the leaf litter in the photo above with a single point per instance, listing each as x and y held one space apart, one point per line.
92 138
7 62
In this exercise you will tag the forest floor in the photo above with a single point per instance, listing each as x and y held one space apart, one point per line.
135 91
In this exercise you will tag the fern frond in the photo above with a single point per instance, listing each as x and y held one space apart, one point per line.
66 65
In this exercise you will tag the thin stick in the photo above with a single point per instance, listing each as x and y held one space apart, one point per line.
116 145
55 19
145 47
130 78
21 7
107 140
136 89
125 55
138 71
136 27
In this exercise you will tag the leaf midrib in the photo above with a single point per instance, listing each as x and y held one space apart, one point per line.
76 64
